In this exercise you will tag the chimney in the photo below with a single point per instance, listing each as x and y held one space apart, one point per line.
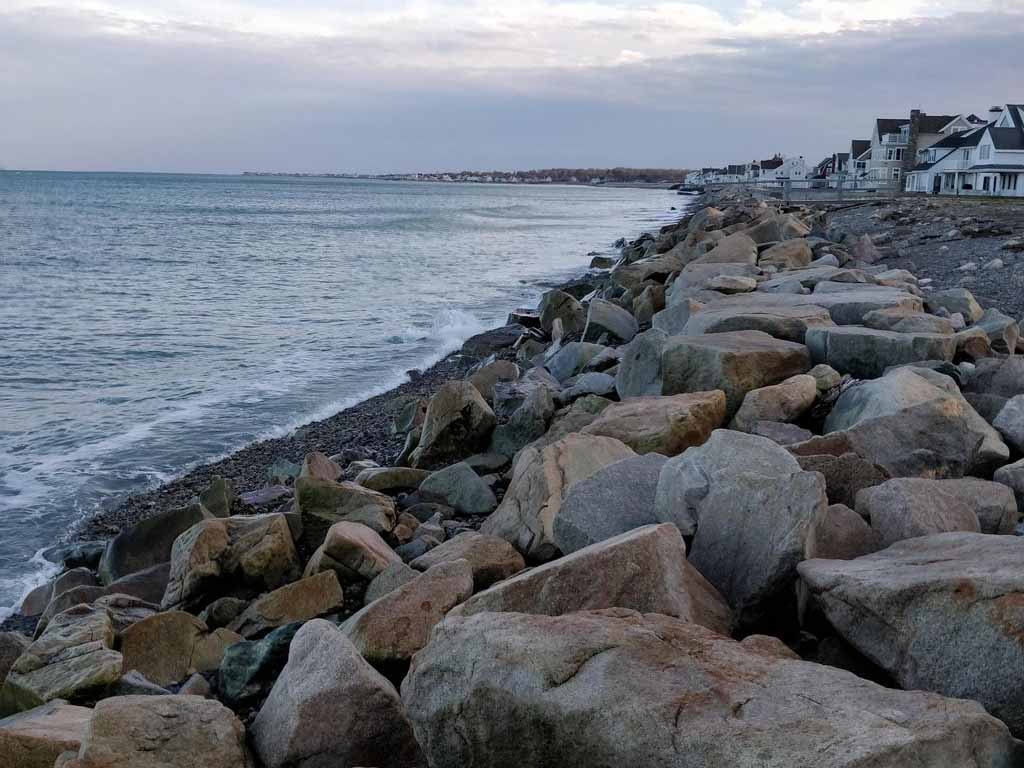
994 113
910 153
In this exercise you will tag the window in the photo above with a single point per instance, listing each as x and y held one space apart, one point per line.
985 183
896 174
1008 180
967 156
984 151
894 154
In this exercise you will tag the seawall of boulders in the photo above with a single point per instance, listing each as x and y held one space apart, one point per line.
743 497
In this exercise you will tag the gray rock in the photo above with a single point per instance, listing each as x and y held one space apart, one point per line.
955 300
614 500
735 362
902 320
644 569
529 421
781 433
1002 330
148 542
388 580
614 688
939 613
591 383
782 402
1010 422
460 488
605 319
560 305
1012 476
309 718
571 359
490 558
218 497
845 475
458 423
913 422
1002 377
674 317
786 323
867 353
487 343
908 507
640 368
842 534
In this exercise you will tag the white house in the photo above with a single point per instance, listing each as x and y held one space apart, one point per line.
982 161
783 169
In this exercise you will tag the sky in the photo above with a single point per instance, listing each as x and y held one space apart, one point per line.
374 86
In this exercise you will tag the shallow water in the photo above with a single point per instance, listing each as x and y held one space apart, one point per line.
149 323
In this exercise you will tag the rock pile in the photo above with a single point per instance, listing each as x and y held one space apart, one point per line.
748 498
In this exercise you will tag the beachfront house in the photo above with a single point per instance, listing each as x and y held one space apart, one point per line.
784 168
860 155
986 160
895 142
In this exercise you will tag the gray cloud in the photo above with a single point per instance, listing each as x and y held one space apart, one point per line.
78 94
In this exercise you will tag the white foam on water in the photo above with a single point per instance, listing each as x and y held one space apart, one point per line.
42 570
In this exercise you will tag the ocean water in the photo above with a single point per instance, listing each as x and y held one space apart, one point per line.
149 323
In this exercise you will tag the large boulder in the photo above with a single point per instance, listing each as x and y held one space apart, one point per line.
168 647
939 613
527 422
391 479
845 474
458 424
392 628
735 248
217 556
1010 422
567 360
734 362
329 707
614 500
35 738
299 601
322 503
842 534
751 510
867 353
491 559
902 320
608 320
639 370
778 227
783 402
998 376
487 376
540 479
644 569
320 466
148 542
791 254
955 300
559 305
460 488
73 659
162 732
353 551
616 688
786 323
249 668
846 303
907 507
488 342
665 425
912 422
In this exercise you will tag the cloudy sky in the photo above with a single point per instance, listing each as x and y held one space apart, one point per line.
395 85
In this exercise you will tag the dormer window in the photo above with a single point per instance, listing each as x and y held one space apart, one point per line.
985 151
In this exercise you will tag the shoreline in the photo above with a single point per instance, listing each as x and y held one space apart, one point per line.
362 428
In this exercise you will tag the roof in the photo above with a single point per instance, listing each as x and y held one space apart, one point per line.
775 162
890 124
1007 138
922 166
996 167
968 138
859 146
737 170
935 123
973 118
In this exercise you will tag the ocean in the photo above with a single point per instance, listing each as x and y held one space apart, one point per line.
152 322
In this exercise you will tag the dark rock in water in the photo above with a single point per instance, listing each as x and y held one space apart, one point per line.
491 341
84 554
248 670
148 542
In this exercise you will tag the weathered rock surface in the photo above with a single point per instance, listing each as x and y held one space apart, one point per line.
73 659
842 534
644 570
666 425
614 688
785 402
459 423
218 555
35 738
460 488
1010 422
955 300
388 580
329 707
249 668
299 601
867 353
608 320
322 503
491 559
319 466
148 542
902 320
845 475
752 509
168 647
786 323
913 422
907 507
392 628
391 479
735 362
734 248
639 370
791 254
614 500
353 551
560 305
162 732
540 479
939 613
